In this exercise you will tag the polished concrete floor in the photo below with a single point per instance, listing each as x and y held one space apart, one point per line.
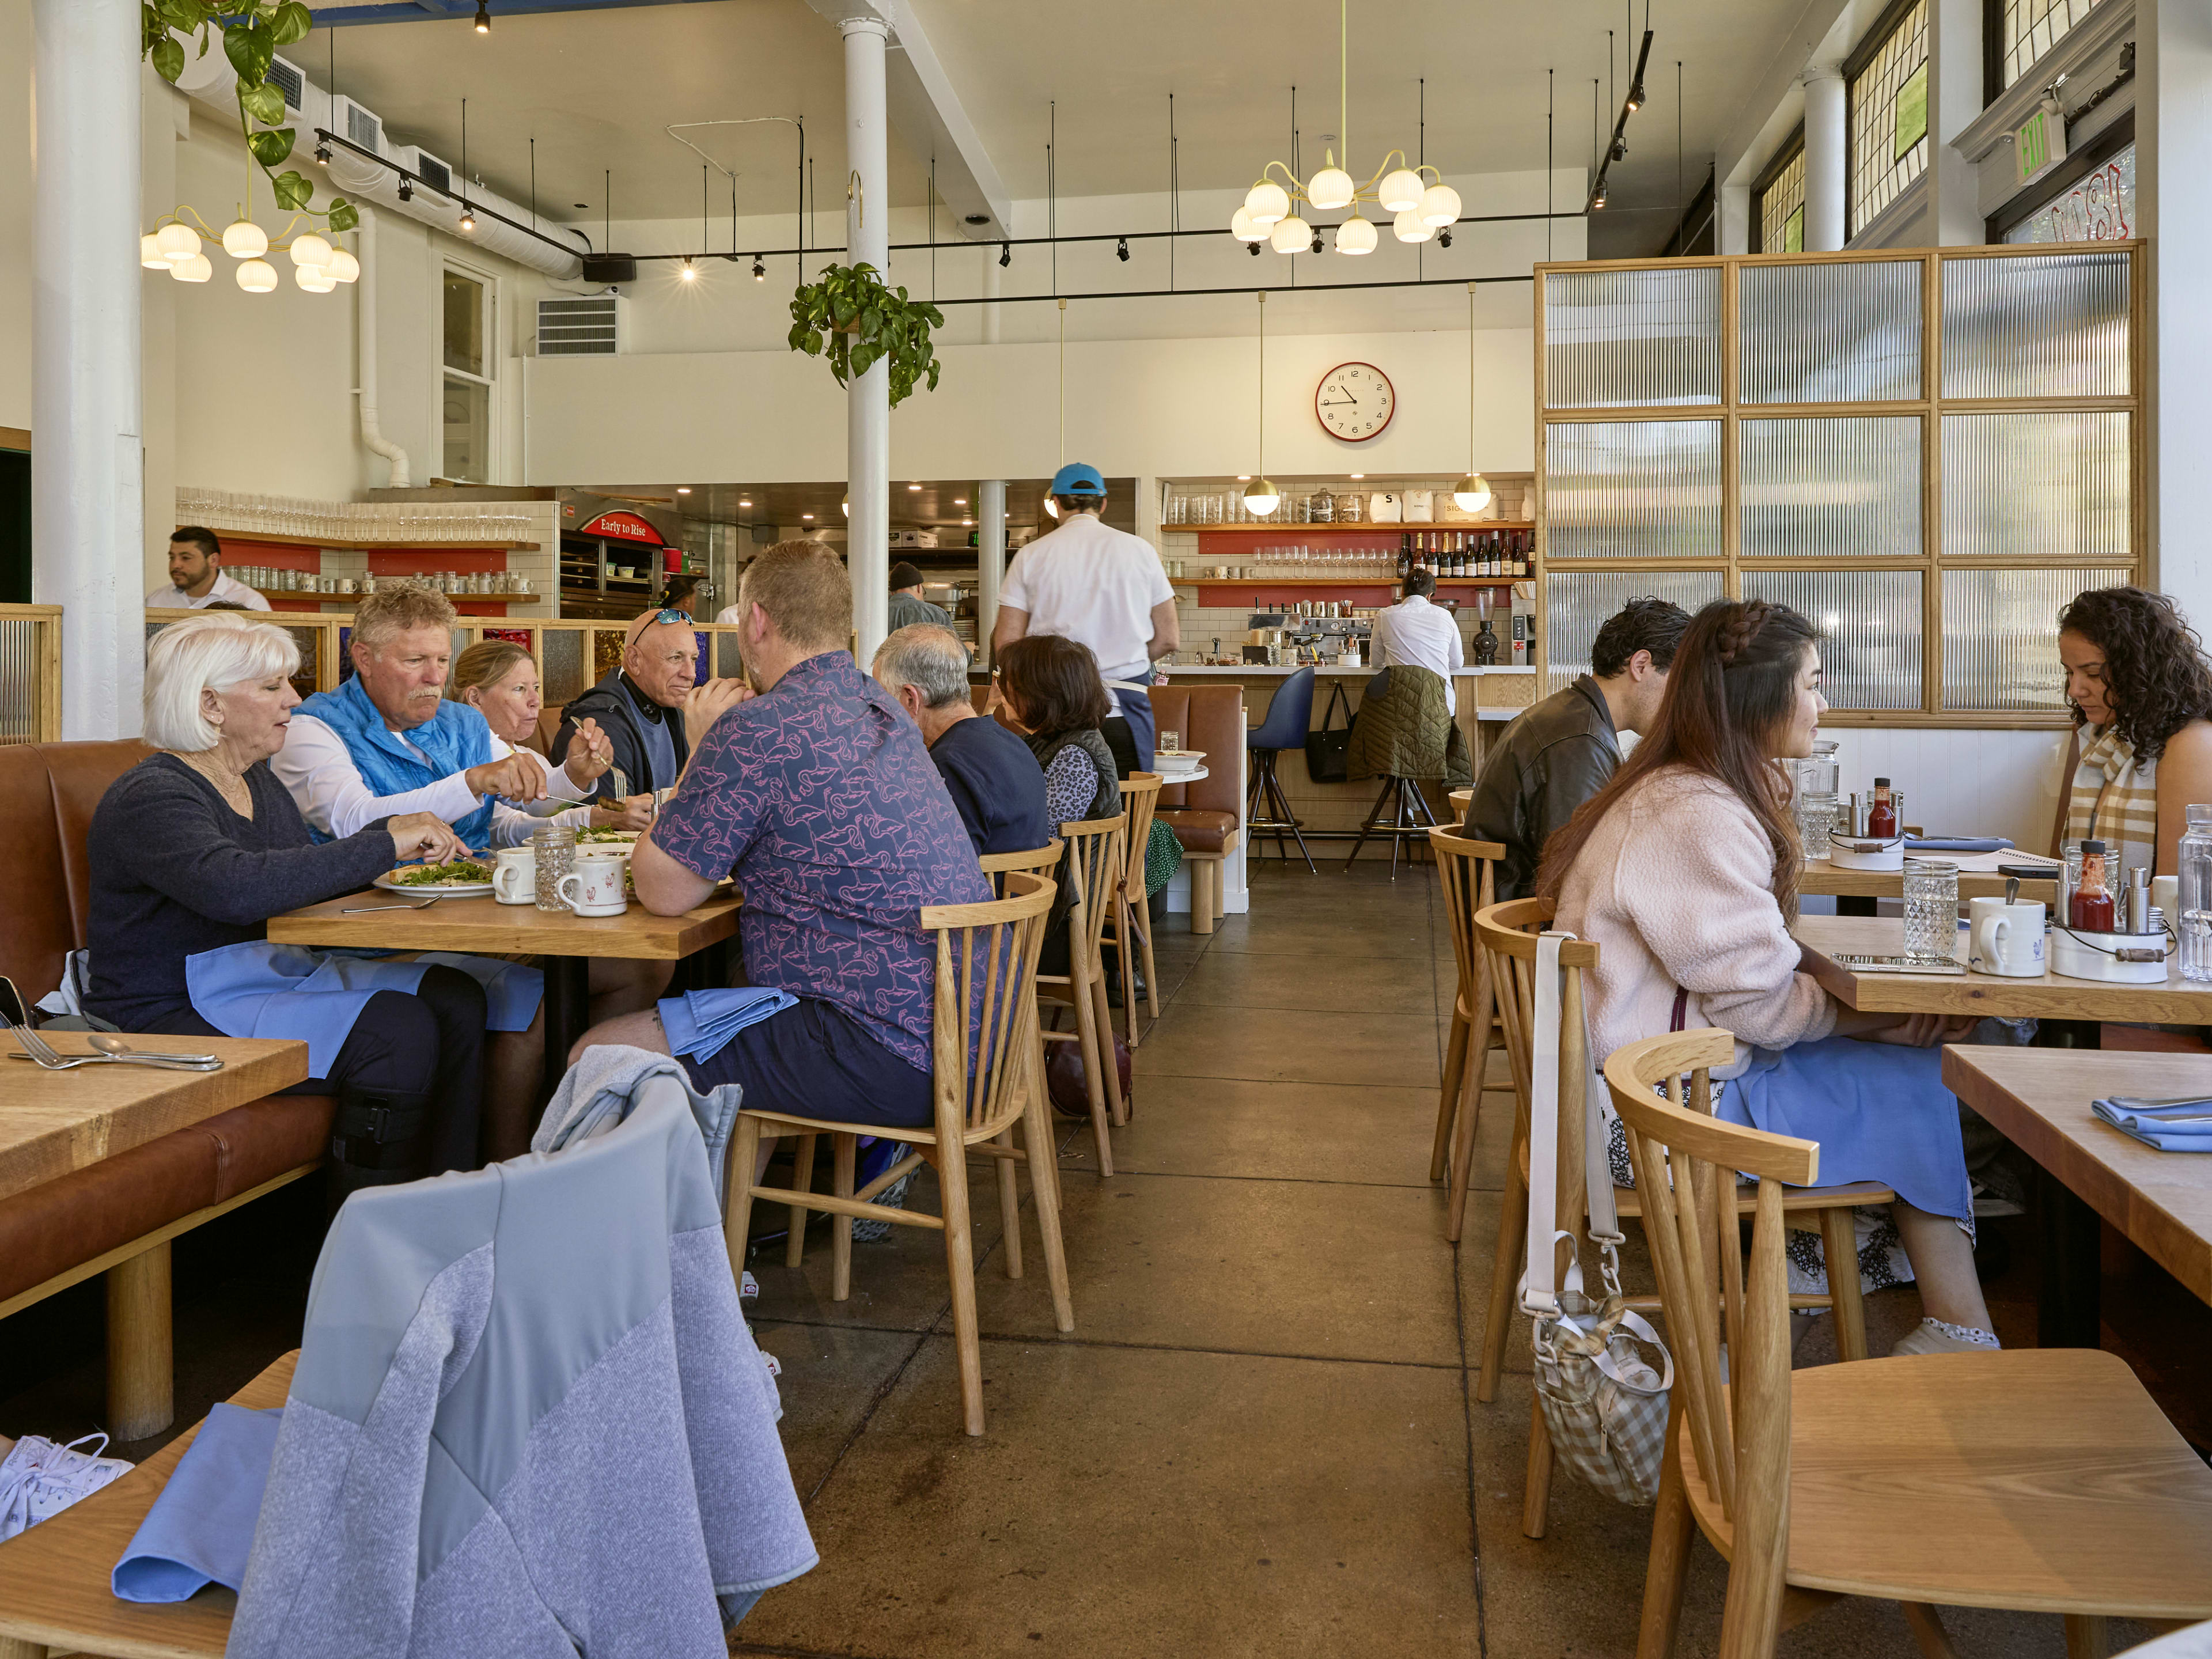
1261 1439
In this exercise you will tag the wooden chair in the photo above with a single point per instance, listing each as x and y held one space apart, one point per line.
1467 872
1508 933
986 1082
1037 861
1132 914
2038 1480
1094 866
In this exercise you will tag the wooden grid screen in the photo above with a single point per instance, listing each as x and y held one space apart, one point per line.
1925 453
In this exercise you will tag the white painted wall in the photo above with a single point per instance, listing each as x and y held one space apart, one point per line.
15 213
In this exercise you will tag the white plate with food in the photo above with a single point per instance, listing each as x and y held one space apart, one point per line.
462 879
601 842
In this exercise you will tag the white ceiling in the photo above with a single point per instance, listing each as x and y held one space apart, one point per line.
596 90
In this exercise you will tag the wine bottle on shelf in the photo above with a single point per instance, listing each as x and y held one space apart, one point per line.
1461 567
1404 554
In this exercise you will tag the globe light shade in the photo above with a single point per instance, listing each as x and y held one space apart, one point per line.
1262 497
1355 235
1052 507
1290 235
314 278
343 265
1410 226
1472 493
178 243
311 250
1245 229
1331 188
194 270
150 254
1399 190
257 276
1267 201
1439 205
244 240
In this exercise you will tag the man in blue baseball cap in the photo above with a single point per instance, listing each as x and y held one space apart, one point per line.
1103 587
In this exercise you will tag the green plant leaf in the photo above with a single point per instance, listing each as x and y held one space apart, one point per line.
293 192
344 215
291 22
271 147
168 57
264 103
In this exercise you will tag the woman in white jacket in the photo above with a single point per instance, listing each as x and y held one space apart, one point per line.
1684 871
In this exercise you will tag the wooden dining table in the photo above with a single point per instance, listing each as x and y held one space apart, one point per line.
564 942
1978 878
2039 1099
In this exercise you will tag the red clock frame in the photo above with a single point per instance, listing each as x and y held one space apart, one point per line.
1380 375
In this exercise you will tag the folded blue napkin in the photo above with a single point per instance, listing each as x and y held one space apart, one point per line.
699 1023
201 1527
2184 1128
1957 844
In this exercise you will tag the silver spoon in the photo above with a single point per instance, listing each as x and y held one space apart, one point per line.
116 1049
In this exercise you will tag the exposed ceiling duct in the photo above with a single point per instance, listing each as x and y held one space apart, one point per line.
556 250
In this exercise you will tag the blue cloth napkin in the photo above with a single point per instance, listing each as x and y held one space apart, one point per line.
201 1527
699 1023
2163 1127
1957 844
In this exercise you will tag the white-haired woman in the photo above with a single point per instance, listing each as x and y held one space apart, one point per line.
193 850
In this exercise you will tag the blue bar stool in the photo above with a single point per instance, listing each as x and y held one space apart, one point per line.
1290 716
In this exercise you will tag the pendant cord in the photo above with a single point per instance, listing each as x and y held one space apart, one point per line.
1262 473
1343 56
1551 109
1063 381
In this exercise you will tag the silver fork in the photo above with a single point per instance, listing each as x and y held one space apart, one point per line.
363 909
34 1046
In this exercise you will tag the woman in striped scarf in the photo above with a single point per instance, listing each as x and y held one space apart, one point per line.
2140 692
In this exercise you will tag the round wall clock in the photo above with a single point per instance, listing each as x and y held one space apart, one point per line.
1355 402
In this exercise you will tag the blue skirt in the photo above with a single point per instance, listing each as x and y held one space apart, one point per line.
1880 1113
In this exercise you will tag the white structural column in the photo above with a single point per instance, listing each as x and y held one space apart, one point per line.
1955 98
1735 220
88 520
2173 201
868 408
1826 153
990 559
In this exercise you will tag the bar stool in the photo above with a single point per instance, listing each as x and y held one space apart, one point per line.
1409 815
1290 716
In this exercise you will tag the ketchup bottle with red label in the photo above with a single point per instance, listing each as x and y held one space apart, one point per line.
2092 910
1881 816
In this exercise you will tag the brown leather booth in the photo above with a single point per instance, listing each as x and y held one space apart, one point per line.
119 1215
1207 815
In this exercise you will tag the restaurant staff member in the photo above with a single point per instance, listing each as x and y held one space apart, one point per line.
907 606
1104 588
1415 632
196 576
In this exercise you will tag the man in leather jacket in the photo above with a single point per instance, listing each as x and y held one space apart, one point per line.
1559 753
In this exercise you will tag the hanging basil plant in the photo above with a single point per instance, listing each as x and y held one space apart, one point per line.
251 30
850 316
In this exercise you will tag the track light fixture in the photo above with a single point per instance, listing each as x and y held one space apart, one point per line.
323 152
1252 248
484 17
1636 97
406 190
468 217
1121 250
690 272
1619 151
1005 254
1314 247
760 270
1597 197
1443 238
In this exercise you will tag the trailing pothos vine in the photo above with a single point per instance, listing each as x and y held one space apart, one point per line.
251 31
848 315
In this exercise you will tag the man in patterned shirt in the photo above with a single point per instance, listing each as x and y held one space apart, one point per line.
811 787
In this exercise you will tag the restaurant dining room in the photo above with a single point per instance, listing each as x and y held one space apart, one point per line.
1432 885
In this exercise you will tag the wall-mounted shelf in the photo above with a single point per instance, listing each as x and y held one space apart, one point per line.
254 538
1482 527
1337 581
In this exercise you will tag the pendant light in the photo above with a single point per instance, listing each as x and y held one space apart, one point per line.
257 275
244 240
149 253
1355 235
1261 495
311 250
1472 493
177 242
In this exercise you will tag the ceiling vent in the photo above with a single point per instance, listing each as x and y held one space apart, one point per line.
434 172
588 327
363 128
287 80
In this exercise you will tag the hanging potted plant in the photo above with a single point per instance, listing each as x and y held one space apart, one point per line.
848 314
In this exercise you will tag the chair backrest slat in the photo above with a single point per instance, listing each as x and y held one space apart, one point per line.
986 1001
1140 797
1036 860
1468 871
1094 867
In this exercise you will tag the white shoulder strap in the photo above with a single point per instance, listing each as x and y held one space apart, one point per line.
1539 1293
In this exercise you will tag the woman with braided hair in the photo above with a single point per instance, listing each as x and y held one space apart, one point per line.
1684 871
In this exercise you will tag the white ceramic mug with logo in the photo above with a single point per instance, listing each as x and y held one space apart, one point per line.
2005 940
594 887
514 877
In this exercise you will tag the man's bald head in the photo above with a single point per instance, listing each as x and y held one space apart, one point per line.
662 658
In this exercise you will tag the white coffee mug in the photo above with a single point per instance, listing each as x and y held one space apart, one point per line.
514 877
2005 940
597 887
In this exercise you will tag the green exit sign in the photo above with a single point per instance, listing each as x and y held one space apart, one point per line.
2038 143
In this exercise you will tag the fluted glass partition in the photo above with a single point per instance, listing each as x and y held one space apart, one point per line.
1870 620
1831 489
1999 629
1831 333
1580 604
1645 336
1635 490
2048 325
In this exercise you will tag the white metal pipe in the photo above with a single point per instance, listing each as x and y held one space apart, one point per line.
867 403
87 514
990 559
1824 154
371 431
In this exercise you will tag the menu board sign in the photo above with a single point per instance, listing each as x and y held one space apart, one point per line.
623 527
2099 207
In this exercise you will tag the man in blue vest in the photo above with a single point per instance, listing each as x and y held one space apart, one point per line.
389 741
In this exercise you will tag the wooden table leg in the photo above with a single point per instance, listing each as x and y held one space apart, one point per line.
12 1648
568 1013
2068 1314
1853 904
141 1399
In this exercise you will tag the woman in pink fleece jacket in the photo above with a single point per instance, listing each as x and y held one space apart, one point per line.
1684 871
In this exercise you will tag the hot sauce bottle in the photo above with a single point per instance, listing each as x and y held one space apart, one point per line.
2091 910
1881 816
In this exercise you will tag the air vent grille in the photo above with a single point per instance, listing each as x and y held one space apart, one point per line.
589 326
434 172
364 129
287 80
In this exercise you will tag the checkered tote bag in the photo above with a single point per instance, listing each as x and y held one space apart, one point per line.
1604 1401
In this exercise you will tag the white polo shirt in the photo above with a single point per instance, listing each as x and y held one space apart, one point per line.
1414 631
1091 583
173 597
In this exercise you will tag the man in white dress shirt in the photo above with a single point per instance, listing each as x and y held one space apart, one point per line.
389 741
196 576
1426 635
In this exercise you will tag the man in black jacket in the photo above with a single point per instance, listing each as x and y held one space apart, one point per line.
1563 751
640 706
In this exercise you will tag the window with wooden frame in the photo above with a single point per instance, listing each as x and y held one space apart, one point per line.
1886 124
1926 453
2018 31
1778 198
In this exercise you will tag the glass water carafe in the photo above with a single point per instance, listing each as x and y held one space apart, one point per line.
1818 774
2194 896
